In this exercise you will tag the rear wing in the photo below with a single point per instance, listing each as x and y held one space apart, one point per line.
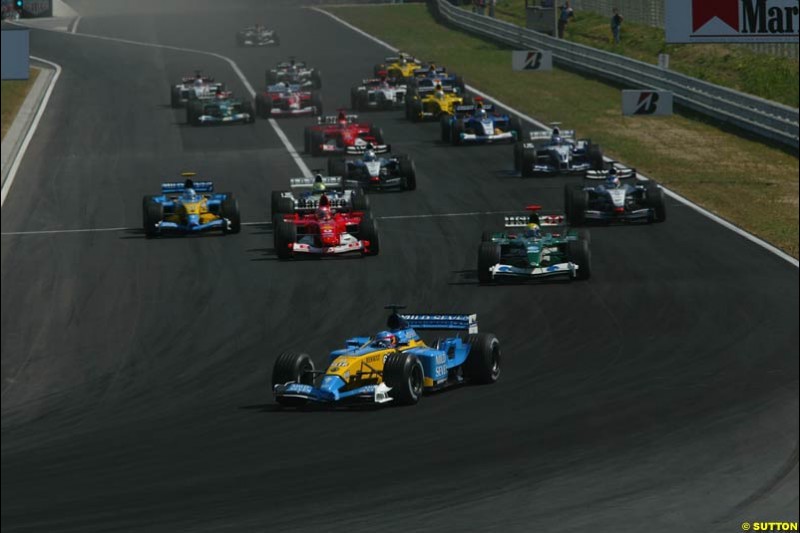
521 221
426 70
539 135
470 109
462 322
333 119
623 172
330 182
280 88
172 187
430 87
377 148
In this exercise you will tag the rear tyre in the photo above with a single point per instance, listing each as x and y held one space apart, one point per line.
408 171
247 107
577 200
377 134
316 79
515 126
263 106
446 128
488 256
230 209
292 367
317 140
596 157
578 253
369 232
175 97
527 162
483 361
285 235
316 102
404 374
655 200
359 201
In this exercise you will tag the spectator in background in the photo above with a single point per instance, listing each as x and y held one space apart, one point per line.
565 13
479 7
492 4
616 25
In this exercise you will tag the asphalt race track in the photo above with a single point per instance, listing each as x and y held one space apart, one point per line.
661 395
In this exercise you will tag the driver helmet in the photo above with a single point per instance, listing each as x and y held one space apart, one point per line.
533 230
612 179
386 339
481 113
439 91
342 118
324 213
555 138
369 155
189 193
318 185
198 81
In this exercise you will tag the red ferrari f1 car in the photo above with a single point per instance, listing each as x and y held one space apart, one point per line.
342 133
325 232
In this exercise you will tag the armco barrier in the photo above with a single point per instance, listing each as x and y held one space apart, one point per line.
762 117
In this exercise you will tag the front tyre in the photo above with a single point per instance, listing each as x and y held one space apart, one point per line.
292 367
404 374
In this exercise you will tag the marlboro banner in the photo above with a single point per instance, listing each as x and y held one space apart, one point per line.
731 21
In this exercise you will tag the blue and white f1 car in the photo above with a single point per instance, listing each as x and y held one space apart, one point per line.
395 365
479 123
190 207
557 152
614 200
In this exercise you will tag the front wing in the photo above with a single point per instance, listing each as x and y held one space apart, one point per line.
501 271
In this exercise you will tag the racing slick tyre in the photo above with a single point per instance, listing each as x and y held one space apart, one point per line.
354 98
408 172
316 103
230 209
488 256
486 236
283 206
578 253
458 83
369 232
518 149
247 107
527 161
457 129
193 111
307 141
596 157
483 361
175 97
377 134
404 374
446 128
316 79
414 110
317 139
654 199
584 235
576 200
285 233
292 367
263 106
337 167
152 214
272 78
515 126
359 201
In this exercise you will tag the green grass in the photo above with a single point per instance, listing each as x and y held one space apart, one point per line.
729 65
745 181
11 97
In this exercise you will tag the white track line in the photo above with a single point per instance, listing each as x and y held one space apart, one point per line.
75 23
12 172
708 214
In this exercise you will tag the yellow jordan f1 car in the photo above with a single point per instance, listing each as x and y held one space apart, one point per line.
431 102
394 365
400 67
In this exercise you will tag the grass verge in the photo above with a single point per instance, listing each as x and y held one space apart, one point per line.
730 65
11 97
747 182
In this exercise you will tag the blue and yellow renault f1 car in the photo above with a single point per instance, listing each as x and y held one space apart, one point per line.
189 207
394 365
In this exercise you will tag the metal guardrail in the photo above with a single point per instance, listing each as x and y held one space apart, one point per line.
765 118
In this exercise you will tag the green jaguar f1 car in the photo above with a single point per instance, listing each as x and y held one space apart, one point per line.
524 251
